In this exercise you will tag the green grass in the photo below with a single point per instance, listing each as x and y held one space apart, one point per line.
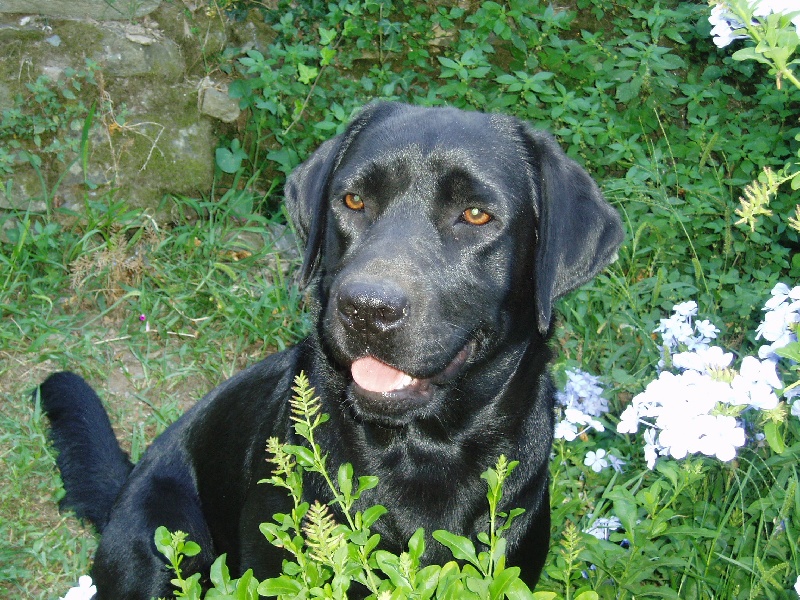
216 296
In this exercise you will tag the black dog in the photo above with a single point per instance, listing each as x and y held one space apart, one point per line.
436 243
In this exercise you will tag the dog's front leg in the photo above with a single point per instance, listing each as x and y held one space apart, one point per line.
127 565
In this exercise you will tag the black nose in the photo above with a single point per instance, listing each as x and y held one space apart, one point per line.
373 307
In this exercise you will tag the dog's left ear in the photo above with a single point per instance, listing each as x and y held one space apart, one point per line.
578 232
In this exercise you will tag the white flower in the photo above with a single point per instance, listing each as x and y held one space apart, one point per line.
573 415
651 448
722 437
685 309
776 322
779 293
674 330
703 360
706 329
565 431
84 590
601 528
628 420
797 585
784 7
596 460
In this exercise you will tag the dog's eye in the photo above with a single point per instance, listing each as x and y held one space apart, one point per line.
476 216
353 202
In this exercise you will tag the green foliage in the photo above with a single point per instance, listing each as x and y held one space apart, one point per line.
327 557
673 128
47 121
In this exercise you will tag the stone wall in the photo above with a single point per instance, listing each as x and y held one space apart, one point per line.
159 108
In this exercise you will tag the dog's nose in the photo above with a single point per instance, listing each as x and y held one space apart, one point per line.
374 307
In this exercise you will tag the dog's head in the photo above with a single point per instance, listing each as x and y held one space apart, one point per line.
436 236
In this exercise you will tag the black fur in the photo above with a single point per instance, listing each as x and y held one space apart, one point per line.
464 309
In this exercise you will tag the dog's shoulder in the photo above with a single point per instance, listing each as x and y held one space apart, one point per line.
247 405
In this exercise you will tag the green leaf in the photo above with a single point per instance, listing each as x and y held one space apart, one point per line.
229 160
372 514
502 582
774 437
304 456
416 545
220 576
191 549
790 351
345 480
367 482
449 63
326 36
307 74
390 565
461 547
163 540
278 586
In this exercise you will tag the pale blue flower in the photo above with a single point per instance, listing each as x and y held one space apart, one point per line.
602 527
723 25
582 401
583 392
616 462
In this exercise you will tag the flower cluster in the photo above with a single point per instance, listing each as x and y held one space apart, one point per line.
680 332
695 408
726 27
582 401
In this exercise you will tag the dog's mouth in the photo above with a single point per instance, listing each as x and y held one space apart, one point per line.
388 390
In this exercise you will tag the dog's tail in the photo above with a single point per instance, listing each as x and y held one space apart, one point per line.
93 466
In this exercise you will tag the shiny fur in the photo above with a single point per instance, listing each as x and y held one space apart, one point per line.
463 309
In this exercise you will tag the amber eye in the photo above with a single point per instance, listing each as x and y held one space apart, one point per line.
476 216
353 202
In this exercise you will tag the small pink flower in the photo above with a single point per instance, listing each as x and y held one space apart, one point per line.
142 318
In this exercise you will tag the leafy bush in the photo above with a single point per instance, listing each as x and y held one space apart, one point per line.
328 557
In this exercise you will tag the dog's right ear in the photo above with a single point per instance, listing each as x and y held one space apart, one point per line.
306 195
306 190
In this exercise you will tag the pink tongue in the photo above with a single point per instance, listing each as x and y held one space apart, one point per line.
375 376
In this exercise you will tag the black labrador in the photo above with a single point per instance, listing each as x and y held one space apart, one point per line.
436 242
